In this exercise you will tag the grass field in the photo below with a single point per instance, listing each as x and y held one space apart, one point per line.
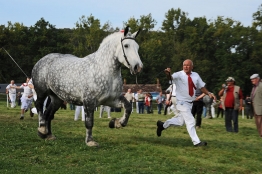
133 149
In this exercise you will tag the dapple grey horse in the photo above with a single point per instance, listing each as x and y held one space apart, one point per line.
90 81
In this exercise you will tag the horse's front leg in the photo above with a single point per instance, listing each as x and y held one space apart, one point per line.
122 122
42 130
89 123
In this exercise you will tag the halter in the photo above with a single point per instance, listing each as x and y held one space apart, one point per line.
124 54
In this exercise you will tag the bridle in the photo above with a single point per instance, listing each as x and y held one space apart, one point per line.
124 54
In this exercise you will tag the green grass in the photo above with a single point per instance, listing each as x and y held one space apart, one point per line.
133 149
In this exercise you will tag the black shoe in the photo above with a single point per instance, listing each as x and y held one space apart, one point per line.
22 117
31 113
201 144
159 127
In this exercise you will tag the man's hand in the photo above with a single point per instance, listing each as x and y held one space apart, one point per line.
167 71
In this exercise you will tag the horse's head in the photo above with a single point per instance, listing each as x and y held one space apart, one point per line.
127 52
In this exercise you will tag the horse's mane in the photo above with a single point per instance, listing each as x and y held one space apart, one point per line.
112 38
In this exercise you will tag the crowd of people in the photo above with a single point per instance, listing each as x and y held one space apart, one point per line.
187 99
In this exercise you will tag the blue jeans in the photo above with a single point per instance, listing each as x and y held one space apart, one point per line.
204 111
231 115
147 109
141 107
159 108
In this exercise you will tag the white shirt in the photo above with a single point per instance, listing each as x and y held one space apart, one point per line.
11 90
136 96
27 90
181 80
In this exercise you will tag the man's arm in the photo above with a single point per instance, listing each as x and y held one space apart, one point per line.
201 96
204 90
168 73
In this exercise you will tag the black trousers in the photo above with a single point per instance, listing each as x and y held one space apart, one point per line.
220 110
197 109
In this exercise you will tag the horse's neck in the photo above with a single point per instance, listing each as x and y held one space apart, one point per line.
104 60
106 54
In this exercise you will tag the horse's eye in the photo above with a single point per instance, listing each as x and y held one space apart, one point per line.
126 45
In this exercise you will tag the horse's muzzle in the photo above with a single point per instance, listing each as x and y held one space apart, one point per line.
137 68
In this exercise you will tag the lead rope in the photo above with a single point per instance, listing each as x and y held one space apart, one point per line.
14 61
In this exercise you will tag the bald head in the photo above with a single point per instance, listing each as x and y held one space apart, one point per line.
187 66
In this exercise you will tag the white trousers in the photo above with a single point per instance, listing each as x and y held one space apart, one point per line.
137 108
77 112
174 109
13 99
184 116
107 109
26 103
213 111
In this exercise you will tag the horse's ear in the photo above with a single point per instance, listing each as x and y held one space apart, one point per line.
126 30
136 33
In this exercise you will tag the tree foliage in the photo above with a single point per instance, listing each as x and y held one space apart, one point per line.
219 48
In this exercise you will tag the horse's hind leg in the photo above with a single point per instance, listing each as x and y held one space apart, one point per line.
122 122
44 130
89 123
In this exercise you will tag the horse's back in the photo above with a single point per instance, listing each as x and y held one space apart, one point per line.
42 67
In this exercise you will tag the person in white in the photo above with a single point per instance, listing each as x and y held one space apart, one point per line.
11 90
136 98
78 109
26 99
31 85
107 109
129 96
186 83
172 90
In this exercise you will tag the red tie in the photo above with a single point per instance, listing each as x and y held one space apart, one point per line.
191 85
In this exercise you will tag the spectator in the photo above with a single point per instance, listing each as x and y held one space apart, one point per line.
197 107
129 96
248 107
147 103
220 108
79 109
256 99
141 99
171 99
159 100
233 100
105 108
11 90
136 100
18 98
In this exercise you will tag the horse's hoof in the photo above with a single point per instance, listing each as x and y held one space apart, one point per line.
112 123
42 129
43 136
92 144
42 133
50 137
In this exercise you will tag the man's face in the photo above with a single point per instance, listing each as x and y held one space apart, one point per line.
12 82
187 66
254 81
230 83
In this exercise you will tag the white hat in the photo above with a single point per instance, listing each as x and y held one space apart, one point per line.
254 76
230 79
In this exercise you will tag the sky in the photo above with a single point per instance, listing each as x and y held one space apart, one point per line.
65 13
